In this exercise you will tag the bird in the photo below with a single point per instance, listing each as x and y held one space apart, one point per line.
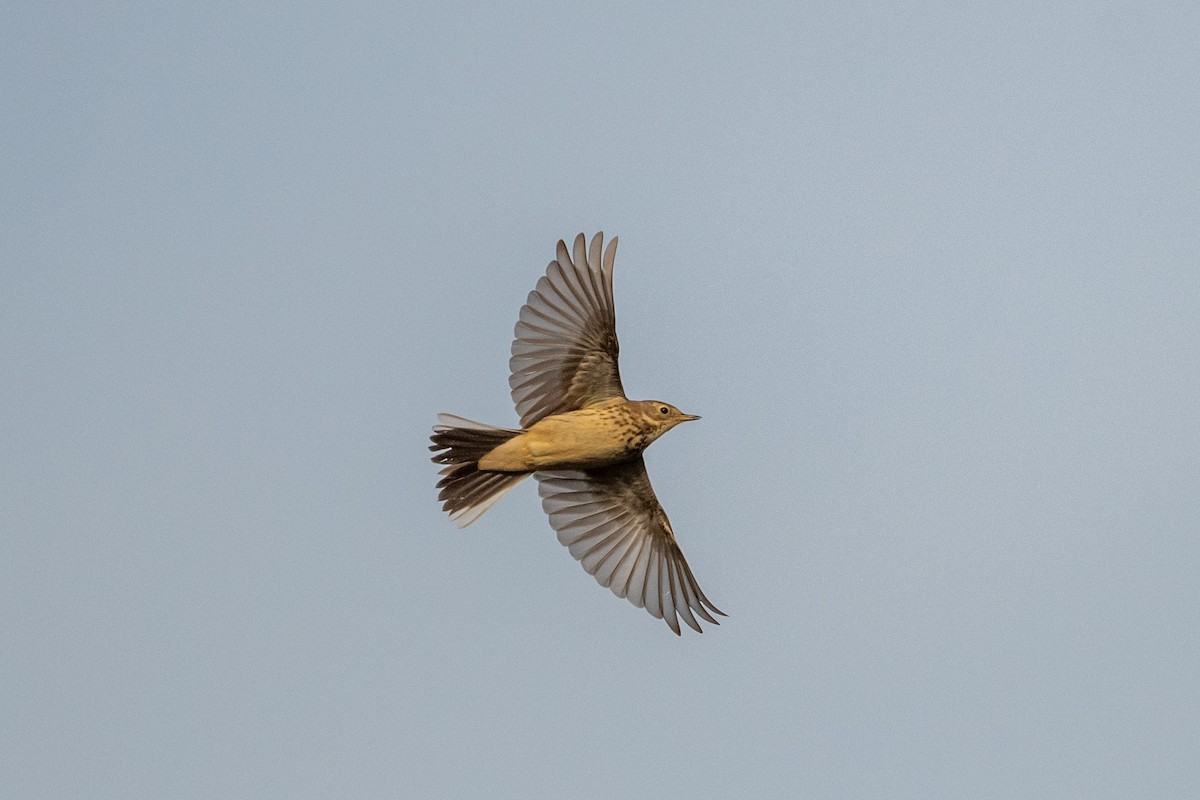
582 439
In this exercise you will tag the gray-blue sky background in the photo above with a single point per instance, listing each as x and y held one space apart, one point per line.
929 271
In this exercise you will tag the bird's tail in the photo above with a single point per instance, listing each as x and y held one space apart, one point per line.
467 490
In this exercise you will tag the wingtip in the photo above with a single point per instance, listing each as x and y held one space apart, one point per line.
610 255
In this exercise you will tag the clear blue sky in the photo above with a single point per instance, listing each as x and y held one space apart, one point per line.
929 271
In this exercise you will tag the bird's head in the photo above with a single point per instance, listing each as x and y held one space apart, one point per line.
662 416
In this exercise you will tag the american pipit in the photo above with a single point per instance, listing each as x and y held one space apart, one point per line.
582 439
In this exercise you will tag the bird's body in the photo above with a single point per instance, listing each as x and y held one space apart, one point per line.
598 435
583 441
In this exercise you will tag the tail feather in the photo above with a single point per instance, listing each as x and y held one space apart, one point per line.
466 490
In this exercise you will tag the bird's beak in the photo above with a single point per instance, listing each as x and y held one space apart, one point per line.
689 417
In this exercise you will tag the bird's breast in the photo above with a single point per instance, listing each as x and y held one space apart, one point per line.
585 438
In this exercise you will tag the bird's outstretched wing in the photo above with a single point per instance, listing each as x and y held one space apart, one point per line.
613 524
564 356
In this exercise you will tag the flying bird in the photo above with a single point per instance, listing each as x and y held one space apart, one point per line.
582 439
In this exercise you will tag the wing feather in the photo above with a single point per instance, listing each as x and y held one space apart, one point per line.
565 350
611 522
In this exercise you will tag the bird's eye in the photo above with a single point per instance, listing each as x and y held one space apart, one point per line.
664 410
